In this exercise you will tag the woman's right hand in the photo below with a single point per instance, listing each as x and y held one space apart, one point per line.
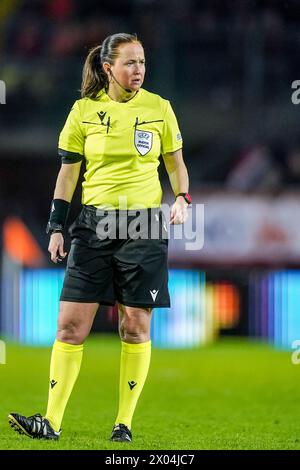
56 247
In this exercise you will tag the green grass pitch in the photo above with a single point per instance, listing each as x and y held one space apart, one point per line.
233 394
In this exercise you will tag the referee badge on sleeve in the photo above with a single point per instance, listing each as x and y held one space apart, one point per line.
143 141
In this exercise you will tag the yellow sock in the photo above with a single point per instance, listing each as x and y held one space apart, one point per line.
64 370
135 361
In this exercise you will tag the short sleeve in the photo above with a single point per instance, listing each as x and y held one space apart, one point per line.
171 139
71 139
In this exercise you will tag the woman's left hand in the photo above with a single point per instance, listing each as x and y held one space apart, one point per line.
179 213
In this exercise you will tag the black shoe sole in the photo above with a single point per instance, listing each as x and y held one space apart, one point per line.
119 439
16 426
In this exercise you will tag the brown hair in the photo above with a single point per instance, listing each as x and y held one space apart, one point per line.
94 78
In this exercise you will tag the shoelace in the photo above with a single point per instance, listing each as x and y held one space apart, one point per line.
121 430
38 425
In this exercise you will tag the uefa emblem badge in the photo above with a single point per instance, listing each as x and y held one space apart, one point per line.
143 141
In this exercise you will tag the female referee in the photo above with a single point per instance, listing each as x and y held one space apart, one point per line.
120 130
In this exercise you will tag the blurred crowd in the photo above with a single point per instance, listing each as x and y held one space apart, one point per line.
221 62
58 28
265 167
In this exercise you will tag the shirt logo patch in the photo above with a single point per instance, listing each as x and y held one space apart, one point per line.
143 141
154 293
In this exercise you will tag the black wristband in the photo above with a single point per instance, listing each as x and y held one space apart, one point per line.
58 216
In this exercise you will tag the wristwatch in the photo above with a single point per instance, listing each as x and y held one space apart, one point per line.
186 197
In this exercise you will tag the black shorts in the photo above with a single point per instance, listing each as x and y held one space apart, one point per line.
118 255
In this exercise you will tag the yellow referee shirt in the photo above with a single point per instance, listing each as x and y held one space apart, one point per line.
121 143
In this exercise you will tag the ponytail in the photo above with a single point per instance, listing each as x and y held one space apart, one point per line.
93 76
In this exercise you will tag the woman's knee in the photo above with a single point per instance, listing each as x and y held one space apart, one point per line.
70 333
134 329
134 335
75 321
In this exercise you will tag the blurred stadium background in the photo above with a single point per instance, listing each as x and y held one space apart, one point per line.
227 66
